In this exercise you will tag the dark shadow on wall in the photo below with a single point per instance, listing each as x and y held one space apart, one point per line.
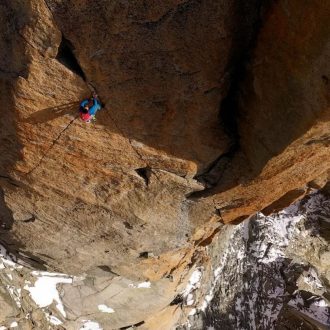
66 56
285 124
272 120
244 41
14 62
51 113
10 151
6 215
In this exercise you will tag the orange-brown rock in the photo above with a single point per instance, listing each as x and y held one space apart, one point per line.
75 197
284 113
78 196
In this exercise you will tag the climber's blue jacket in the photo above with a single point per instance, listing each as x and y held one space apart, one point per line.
91 111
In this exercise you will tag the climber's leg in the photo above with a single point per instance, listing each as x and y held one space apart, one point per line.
94 108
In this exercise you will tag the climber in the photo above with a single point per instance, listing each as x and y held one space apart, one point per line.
89 107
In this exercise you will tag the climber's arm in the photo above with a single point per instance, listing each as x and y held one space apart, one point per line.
96 106
84 103
96 101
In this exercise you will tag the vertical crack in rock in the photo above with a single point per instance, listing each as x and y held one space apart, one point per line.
229 107
52 145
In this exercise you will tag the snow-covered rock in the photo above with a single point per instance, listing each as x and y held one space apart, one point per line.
268 271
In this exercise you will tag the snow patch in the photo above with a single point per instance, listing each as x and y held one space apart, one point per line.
54 320
194 283
45 292
48 274
105 309
143 285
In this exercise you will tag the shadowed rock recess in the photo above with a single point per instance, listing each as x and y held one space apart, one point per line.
213 111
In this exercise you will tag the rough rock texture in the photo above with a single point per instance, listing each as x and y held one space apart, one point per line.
105 194
283 117
213 111
266 273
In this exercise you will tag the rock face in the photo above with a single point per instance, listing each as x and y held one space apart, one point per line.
133 192
79 196
283 116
